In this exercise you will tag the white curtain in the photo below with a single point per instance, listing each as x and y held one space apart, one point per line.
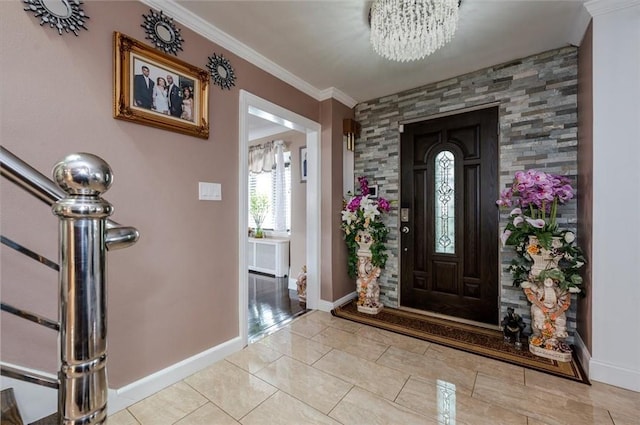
262 157
281 200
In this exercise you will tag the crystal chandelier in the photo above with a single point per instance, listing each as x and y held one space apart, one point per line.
406 30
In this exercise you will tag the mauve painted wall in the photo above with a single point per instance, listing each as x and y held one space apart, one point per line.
174 294
341 283
335 282
585 180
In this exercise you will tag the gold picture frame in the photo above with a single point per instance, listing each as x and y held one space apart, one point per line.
142 92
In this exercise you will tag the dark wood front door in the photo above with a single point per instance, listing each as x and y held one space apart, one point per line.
449 219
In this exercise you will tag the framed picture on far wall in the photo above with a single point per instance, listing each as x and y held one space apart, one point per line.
303 164
155 89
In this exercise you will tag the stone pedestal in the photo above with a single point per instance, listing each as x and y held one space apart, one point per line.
548 320
367 286
561 356
548 306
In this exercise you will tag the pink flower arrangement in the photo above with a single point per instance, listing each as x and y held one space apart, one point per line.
539 192
534 196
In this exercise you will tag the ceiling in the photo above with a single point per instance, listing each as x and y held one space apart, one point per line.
260 127
322 47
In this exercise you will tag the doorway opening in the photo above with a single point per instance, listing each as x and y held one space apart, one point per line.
252 107
272 305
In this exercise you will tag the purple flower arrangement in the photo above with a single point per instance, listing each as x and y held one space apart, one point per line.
363 212
354 204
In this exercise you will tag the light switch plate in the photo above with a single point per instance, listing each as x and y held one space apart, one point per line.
209 191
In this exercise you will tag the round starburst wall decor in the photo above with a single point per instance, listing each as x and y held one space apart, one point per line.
162 32
221 72
62 15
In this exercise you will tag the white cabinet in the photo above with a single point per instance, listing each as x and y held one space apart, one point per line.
268 255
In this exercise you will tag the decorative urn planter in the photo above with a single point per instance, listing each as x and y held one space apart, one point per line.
547 259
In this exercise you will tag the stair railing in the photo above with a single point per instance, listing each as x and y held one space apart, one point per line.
85 234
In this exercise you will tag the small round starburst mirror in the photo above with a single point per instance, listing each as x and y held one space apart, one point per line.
221 72
162 32
61 15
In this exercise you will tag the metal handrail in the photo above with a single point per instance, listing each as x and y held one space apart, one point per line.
31 254
48 323
85 234
27 375
37 184
28 178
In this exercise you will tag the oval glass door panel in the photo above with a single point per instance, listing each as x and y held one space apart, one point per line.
445 203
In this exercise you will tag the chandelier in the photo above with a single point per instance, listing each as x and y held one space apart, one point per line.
407 30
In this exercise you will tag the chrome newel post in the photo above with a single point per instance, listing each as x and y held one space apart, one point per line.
82 397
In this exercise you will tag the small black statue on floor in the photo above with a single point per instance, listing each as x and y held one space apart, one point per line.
512 326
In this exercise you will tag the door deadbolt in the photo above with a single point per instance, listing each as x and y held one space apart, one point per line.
404 215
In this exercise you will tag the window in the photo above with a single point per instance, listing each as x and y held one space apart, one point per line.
265 184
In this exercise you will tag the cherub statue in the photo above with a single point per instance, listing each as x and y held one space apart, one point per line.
512 326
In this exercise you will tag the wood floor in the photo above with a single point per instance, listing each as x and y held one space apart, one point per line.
271 304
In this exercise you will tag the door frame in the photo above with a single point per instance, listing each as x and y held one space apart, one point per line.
252 104
401 124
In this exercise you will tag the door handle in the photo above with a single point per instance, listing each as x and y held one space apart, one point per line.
405 229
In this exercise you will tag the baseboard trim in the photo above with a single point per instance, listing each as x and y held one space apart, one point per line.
328 305
582 352
124 397
614 375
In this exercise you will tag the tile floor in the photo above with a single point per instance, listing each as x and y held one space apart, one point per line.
323 370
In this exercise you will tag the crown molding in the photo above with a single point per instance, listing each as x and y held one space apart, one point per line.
579 27
221 38
602 7
338 95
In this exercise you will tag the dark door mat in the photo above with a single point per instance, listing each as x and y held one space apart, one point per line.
485 342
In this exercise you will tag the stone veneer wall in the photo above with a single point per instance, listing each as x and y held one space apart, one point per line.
537 98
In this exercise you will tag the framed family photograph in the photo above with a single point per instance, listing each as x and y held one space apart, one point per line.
303 164
155 89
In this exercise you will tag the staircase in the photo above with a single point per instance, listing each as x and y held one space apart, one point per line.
85 234
11 413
